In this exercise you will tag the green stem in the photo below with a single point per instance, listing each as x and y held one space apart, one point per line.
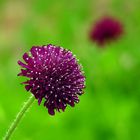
19 117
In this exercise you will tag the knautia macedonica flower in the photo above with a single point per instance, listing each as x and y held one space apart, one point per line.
54 75
105 30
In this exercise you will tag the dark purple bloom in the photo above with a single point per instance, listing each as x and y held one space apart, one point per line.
105 30
54 75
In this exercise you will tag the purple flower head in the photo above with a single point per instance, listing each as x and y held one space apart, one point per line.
54 75
105 30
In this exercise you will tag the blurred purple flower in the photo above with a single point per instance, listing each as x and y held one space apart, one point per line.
105 30
54 75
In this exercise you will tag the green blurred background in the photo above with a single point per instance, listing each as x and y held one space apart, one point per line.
110 107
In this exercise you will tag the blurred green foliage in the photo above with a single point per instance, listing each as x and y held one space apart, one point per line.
109 109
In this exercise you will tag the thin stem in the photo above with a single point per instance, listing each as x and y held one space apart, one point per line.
19 117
